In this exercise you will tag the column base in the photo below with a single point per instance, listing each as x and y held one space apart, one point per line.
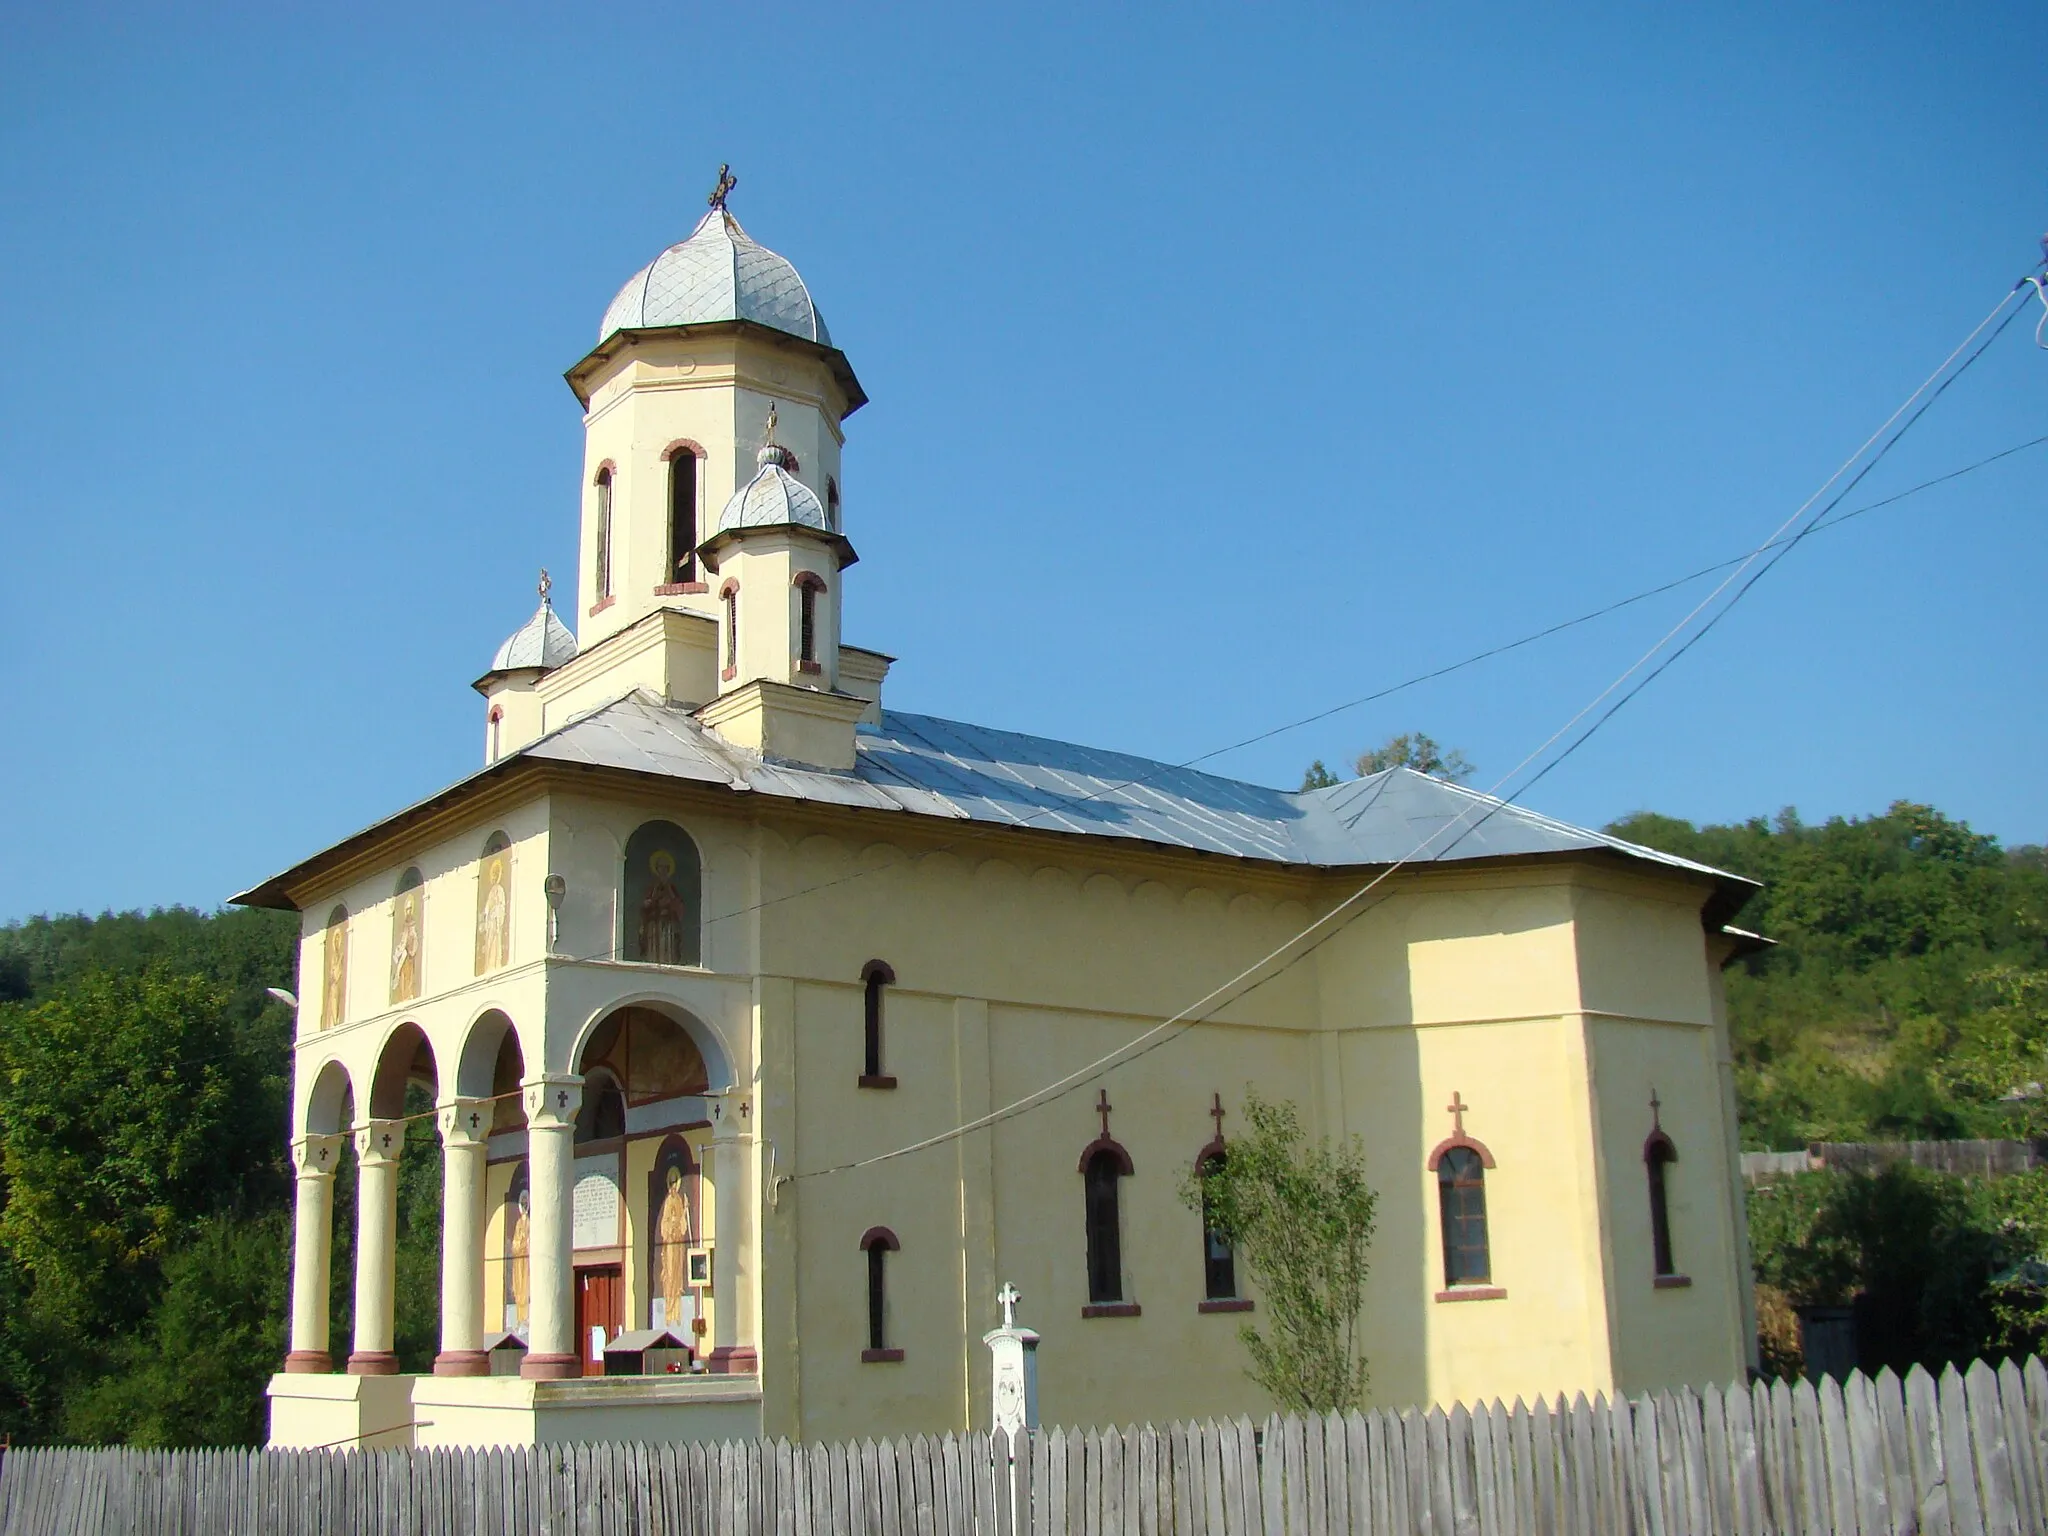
550 1367
733 1360
308 1362
373 1362
462 1362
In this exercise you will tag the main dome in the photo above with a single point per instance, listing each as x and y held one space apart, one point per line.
716 274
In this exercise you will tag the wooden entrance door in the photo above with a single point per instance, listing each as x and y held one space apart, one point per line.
600 1303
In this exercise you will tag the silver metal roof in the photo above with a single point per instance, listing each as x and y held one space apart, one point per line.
718 273
542 641
926 766
772 499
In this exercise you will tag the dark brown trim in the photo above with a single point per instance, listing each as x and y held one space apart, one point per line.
876 1080
1107 1144
681 446
308 1362
602 603
730 588
809 579
497 713
881 1357
733 1360
1452 1143
550 1367
728 674
812 667
1473 1293
1111 1309
462 1362
1672 1282
880 968
373 1362
606 467
1226 1304
680 588
880 1237
1657 1142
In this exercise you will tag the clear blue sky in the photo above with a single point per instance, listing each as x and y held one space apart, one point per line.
1226 363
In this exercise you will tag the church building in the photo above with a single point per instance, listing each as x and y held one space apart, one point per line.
769 1030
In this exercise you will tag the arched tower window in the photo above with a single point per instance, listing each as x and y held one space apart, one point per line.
407 936
879 1243
876 977
1460 1165
729 594
1219 1259
603 567
1104 1165
808 590
832 503
663 904
682 516
1659 1153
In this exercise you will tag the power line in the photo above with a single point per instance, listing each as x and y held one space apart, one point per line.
1203 1007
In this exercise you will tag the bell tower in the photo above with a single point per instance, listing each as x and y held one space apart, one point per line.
697 351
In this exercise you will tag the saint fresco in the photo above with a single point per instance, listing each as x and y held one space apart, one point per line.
663 889
405 940
494 906
334 969
519 1273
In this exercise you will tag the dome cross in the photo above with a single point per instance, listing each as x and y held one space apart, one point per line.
726 182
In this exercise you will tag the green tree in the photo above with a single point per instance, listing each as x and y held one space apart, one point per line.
1300 1218
1318 777
1415 751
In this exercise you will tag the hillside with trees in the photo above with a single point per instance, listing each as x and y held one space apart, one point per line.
145 1194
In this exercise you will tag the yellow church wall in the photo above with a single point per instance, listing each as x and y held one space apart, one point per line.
1670 1336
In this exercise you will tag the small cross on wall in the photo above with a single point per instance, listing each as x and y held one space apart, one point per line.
1457 1107
1102 1108
1656 1110
1216 1113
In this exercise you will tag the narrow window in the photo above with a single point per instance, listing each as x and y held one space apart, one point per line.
807 625
1105 1232
1461 1194
1219 1260
604 534
731 596
1657 1156
879 1242
831 504
682 517
875 978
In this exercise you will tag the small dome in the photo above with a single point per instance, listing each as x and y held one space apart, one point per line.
543 641
774 498
716 274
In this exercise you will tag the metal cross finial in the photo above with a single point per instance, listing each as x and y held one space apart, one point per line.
1007 1298
1102 1108
768 432
726 182
546 586
1457 1107
1216 1114
1656 1110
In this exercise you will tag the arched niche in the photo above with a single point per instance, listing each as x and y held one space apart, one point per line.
330 1104
656 1049
406 1059
662 908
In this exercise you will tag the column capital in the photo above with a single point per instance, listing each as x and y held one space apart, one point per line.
465 1122
316 1155
552 1101
378 1142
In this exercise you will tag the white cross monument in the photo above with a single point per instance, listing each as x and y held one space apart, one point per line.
1015 1363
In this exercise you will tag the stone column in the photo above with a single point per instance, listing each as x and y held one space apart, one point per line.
315 1159
378 1145
551 1106
465 1127
733 1351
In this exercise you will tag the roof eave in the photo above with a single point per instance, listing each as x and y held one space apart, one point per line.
578 377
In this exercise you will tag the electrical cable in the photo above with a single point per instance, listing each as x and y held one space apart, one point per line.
1199 1010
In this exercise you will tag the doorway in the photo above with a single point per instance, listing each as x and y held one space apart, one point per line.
600 1305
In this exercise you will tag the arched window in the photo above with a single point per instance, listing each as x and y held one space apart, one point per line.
875 977
603 567
831 504
1104 1164
663 896
1659 1154
879 1243
1461 1199
729 594
1219 1259
682 516
407 934
496 718
808 587
494 904
334 968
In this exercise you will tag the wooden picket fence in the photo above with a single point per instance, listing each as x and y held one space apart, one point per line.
1966 1455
